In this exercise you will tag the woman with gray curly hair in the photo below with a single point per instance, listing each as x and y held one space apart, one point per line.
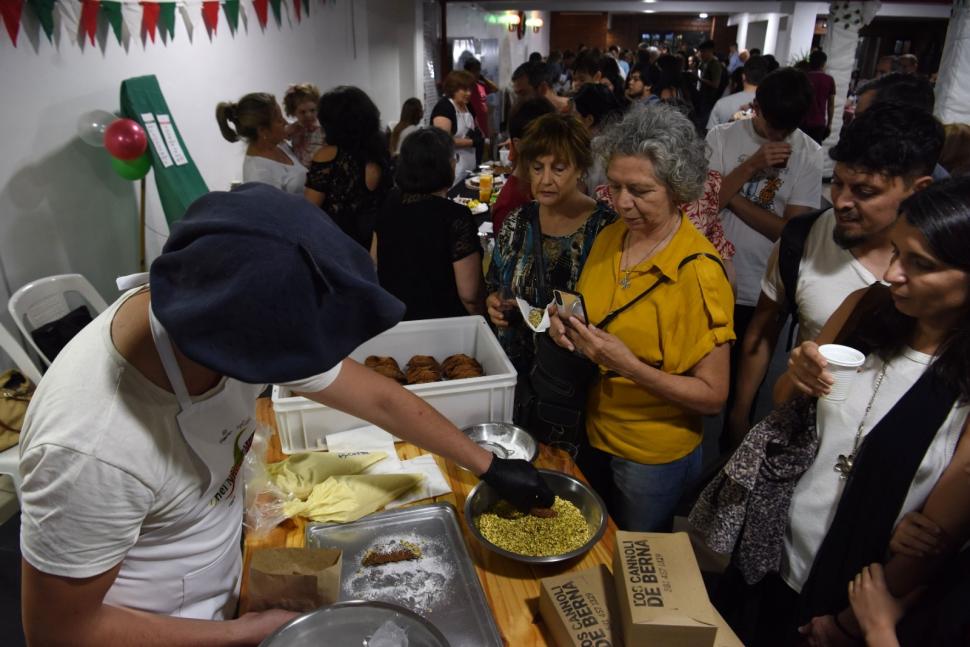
663 360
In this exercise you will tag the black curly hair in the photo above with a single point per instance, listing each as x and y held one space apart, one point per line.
892 139
352 123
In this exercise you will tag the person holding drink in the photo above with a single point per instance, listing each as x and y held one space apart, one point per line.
543 244
896 443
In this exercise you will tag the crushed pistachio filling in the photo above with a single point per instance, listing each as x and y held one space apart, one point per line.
525 534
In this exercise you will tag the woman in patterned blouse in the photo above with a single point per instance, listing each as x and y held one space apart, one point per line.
555 150
349 175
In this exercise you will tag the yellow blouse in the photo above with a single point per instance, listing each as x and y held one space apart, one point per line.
672 329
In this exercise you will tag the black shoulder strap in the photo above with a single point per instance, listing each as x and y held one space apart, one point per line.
663 279
538 261
791 246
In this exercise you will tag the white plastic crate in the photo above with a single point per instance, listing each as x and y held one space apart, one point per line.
304 424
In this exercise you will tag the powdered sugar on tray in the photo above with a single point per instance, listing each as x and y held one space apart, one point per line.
419 584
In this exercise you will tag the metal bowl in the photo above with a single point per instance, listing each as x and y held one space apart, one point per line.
483 498
504 439
353 623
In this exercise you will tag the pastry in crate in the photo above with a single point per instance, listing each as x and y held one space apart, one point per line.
386 366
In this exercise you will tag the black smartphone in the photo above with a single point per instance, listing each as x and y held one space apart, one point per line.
570 304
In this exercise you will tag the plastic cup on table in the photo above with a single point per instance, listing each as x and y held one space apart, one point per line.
843 364
485 186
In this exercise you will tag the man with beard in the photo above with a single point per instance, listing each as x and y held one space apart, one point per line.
884 156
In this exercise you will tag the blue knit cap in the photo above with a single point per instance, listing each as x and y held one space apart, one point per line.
262 286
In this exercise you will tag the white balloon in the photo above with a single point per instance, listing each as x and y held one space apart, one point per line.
91 126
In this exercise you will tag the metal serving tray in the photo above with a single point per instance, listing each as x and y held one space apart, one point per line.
441 586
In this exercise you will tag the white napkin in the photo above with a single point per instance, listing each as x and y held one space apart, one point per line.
434 483
525 308
486 228
363 440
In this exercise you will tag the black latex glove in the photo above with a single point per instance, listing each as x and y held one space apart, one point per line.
519 483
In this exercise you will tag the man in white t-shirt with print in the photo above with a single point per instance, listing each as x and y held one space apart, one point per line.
883 157
132 447
771 172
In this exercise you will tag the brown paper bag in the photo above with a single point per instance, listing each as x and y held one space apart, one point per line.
297 579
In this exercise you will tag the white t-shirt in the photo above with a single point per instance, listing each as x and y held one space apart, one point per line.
799 183
288 177
725 108
108 477
827 274
816 496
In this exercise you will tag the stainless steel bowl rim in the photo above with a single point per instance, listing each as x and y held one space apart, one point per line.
535 452
411 615
551 559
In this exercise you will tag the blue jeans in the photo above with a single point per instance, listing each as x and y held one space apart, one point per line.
645 496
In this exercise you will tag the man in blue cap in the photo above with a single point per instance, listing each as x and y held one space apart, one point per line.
131 513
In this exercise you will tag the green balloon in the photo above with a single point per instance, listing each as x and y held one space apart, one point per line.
134 169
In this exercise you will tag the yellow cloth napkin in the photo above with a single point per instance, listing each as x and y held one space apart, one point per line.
347 498
299 473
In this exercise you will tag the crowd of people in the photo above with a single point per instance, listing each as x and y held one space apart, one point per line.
680 200
682 197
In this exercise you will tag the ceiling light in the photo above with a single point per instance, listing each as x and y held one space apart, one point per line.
649 11
649 1
702 15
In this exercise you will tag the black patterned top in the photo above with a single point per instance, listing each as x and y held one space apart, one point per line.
346 198
513 266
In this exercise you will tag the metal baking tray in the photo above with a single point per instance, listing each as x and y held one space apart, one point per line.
441 586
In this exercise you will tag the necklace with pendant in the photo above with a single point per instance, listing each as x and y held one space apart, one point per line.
844 463
624 280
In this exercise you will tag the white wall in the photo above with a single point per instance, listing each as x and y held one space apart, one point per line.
62 209
467 20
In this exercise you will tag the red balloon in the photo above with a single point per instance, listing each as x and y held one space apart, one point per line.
125 139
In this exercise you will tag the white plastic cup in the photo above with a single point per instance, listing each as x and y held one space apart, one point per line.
503 156
843 364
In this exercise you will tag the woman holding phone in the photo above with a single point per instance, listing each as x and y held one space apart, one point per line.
543 245
663 362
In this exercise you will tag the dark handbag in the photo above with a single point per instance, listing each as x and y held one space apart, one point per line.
53 336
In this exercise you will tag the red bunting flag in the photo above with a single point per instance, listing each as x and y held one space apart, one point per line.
149 18
89 18
296 8
210 15
11 11
262 11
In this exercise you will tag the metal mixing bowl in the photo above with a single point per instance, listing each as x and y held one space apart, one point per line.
483 498
353 623
504 439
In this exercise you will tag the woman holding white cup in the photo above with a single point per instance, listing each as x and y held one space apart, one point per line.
898 440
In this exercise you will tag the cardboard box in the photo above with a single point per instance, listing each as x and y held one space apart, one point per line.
580 608
660 592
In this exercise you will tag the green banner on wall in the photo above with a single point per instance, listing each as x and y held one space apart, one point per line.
176 176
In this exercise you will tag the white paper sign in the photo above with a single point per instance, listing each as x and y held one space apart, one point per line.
168 129
156 136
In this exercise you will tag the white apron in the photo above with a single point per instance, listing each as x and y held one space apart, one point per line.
466 156
193 568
